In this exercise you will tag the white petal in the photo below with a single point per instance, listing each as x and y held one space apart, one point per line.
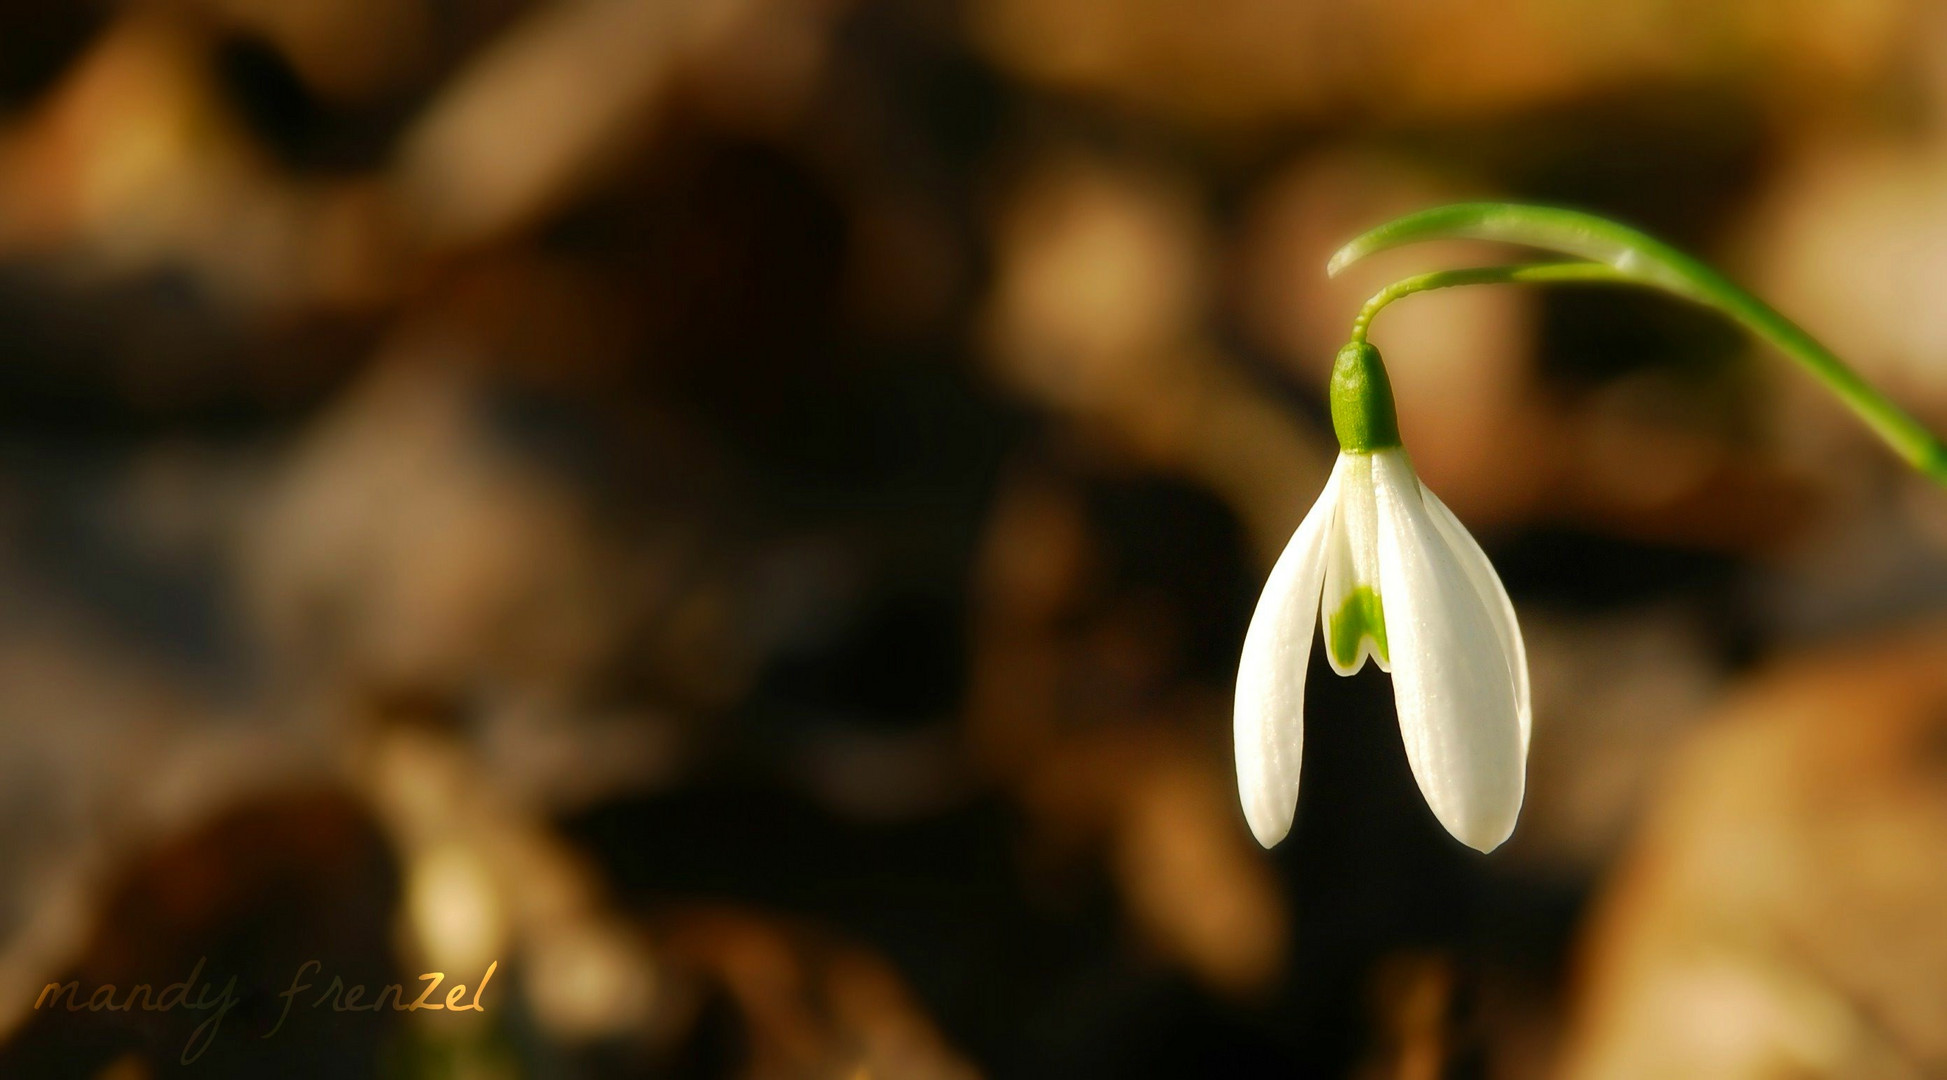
1495 595
1451 680
1269 718
1352 560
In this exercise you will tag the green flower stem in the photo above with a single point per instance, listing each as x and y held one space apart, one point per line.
1536 273
1623 255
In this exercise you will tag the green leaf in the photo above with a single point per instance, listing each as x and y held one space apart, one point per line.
1621 254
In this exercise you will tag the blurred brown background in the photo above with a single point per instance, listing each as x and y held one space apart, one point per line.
744 513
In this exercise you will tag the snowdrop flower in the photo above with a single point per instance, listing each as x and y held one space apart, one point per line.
1393 577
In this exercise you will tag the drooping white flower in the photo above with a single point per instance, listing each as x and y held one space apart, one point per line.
1392 576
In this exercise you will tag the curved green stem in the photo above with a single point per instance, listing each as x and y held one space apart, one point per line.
1535 273
1620 254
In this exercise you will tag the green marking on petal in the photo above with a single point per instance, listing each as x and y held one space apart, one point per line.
1360 616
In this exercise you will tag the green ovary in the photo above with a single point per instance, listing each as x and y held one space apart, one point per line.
1359 616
